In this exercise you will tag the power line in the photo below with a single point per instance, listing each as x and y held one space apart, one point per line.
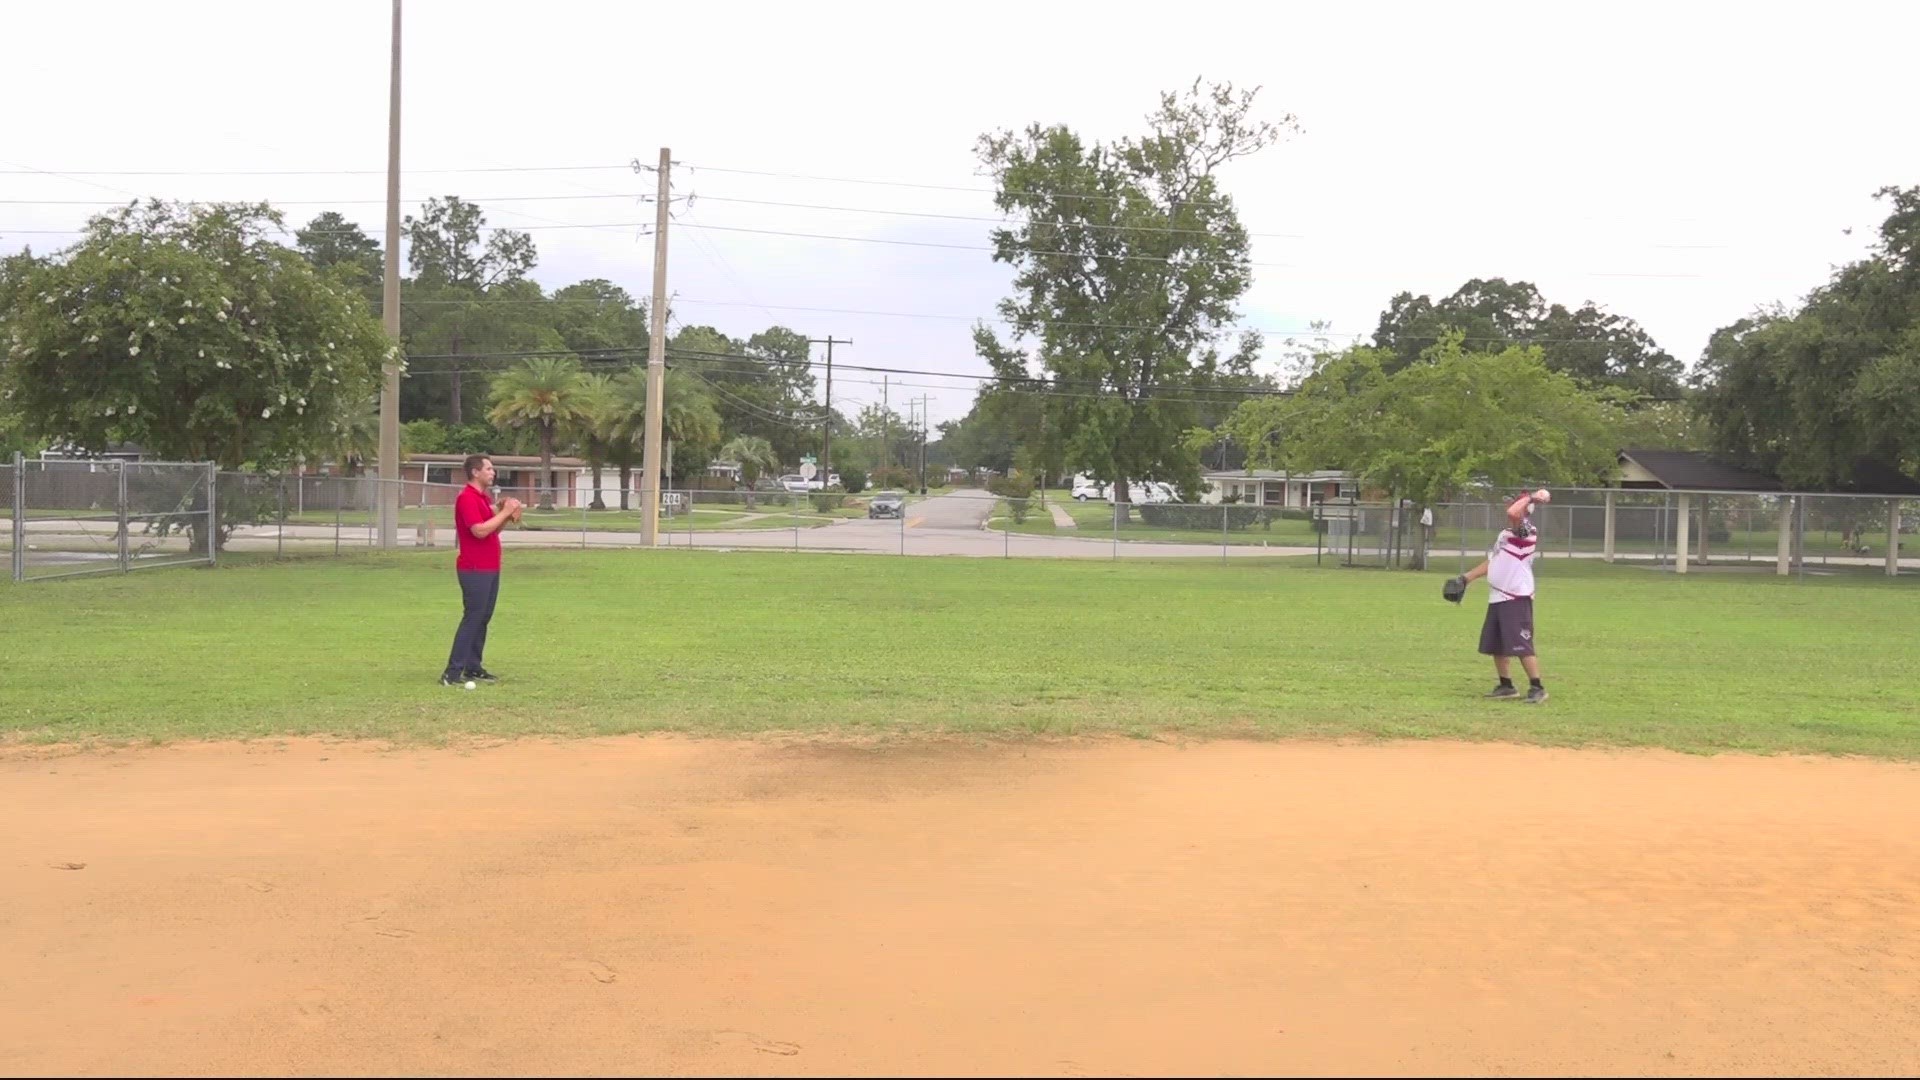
923 214
1087 196
604 356
645 226
1029 222
22 170
319 202
1065 254
956 247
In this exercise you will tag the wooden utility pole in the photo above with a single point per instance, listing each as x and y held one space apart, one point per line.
389 504
656 362
826 442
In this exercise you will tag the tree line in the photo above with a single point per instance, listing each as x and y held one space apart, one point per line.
196 332
193 331
1121 357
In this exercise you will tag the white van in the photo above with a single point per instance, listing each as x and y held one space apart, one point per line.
1086 487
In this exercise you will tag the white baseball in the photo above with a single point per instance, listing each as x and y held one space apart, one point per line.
471 685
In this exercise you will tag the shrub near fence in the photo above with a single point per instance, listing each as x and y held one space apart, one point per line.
1201 516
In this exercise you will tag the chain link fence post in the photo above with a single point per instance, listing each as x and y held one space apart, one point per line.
213 514
126 553
19 516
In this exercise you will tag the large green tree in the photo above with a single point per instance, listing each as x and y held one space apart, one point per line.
188 330
1808 392
332 243
1592 345
596 317
1128 259
762 386
468 293
1431 429
14 272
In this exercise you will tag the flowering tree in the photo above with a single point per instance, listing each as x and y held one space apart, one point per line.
187 330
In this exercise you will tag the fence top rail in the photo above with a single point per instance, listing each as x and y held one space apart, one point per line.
1723 491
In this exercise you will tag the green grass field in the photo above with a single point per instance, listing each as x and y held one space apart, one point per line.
1094 518
606 642
719 516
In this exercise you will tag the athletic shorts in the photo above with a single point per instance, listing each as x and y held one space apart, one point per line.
1508 630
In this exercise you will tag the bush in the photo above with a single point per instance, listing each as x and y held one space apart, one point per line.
824 501
1177 516
423 437
854 480
894 477
743 497
1017 486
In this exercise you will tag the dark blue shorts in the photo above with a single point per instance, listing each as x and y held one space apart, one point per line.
1508 630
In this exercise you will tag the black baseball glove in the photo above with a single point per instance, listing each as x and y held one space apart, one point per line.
1454 590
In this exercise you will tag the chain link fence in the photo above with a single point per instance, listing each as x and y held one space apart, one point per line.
80 517
68 518
1686 531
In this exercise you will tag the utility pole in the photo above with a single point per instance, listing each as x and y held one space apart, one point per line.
656 362
886 426
923 444
826 442
913 407
389 505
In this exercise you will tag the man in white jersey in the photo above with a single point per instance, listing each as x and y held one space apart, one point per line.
1508 630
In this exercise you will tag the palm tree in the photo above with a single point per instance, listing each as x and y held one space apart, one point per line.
755 457
549 396
595 430
358 437
687 418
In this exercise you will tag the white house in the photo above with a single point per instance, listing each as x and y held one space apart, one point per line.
1270 487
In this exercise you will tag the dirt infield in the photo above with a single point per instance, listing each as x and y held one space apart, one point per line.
681 906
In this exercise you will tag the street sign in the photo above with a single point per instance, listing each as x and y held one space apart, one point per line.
807 471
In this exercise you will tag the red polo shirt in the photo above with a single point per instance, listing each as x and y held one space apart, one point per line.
476 553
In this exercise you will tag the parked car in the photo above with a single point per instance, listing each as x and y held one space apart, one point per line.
1086 487
887 504
797 484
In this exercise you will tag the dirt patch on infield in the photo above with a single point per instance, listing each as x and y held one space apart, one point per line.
682 906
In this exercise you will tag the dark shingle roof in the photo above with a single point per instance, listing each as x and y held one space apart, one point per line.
1871 477
1691 470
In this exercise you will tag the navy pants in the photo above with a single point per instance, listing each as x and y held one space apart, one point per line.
479 590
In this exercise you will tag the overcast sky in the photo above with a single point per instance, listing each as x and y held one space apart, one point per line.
1676 163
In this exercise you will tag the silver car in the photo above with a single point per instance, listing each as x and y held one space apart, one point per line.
887 504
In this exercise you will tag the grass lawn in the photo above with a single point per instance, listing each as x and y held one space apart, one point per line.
1094 518
594 642
610 520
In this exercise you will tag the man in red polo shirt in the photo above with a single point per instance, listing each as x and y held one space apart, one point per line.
476 524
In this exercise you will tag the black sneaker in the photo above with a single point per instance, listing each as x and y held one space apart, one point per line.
1536 695
482 675
1503 693
450 679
